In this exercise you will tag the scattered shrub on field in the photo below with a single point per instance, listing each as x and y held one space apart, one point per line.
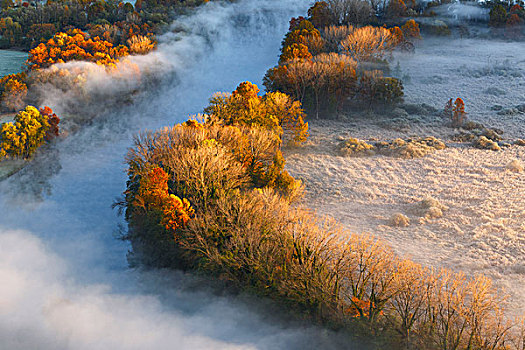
515 166
483 142
399 220
429 208
411 148
355 148
519 142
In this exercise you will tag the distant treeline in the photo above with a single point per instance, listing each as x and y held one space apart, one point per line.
25 26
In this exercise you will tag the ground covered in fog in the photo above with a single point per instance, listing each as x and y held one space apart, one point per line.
482 227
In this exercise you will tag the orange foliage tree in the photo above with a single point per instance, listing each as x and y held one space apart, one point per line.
13 93
153 197
411 30
72 47
458 112
52 120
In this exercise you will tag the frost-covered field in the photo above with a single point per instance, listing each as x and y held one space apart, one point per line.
485 74
483 229
11 61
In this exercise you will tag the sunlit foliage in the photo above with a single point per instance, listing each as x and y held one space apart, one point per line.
274 111
140 45
74 47
368 43
21 138
253 238
153 196
13 92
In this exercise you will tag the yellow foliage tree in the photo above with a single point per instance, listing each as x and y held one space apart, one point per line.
21 138
275 111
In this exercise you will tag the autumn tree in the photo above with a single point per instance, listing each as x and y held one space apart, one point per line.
319 14
368 43
411 30
333 35
75 47
153 199
303 33
53 120
295 51
13 94
397 34
140 45
274 111
458 112
21 138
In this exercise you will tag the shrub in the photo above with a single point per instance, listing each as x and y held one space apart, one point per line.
374 88
515 166
411 148
483 142
355 148
399 220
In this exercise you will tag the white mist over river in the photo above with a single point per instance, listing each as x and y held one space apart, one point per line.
65 282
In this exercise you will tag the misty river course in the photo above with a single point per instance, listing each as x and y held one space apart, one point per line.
66 283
